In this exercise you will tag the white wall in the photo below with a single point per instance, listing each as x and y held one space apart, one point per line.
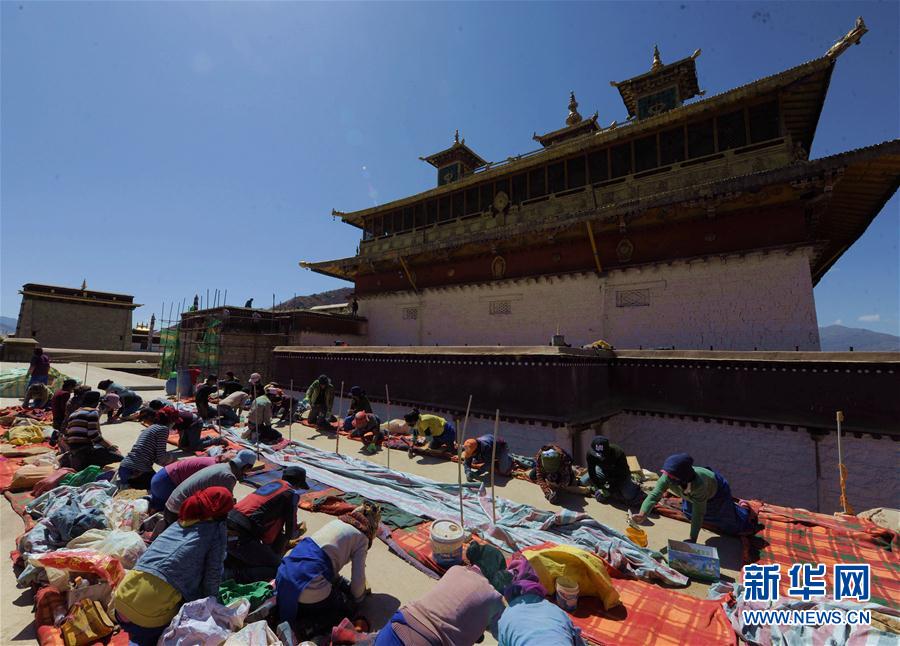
775 465
741 302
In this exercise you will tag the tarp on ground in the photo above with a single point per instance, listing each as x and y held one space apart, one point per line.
14 380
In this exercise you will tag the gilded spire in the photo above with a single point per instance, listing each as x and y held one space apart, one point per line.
657 61
84 284
573 117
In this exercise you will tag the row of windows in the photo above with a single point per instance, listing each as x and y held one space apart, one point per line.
699 139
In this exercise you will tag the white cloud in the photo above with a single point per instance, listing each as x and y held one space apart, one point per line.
869 318
839 322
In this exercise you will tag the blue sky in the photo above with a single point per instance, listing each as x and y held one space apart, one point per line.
162 149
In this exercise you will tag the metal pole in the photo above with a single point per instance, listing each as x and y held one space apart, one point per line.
337 432
291 414
493 460
460 438
387 396
225 298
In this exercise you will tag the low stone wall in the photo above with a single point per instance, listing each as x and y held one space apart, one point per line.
776 465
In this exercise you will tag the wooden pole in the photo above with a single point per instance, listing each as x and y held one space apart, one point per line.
460 438
839 417
493 460
84 383
337 432
387 397
291 414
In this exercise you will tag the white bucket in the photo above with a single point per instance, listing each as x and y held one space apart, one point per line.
566 594
447 542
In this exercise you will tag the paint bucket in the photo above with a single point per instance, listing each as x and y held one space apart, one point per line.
637 535
447 542
566 593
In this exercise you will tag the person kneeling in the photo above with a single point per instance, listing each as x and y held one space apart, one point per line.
481 451
261 525
367 427
312 595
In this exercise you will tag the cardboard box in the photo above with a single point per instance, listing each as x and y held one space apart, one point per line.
699 562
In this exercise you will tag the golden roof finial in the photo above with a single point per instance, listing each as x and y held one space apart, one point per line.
852 37
573 117
84 284
456 136
657 61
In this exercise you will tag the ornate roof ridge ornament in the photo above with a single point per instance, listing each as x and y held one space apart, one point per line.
657 63
852 37
574 117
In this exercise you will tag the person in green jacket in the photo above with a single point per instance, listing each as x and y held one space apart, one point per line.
321 399
706 498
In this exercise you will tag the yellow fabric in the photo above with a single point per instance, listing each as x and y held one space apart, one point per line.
22 435
579 565
430 425
146 600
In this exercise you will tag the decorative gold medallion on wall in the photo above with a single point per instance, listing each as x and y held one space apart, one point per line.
501 201
624 250
498 267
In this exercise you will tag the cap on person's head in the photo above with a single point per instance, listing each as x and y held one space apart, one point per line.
411 417
255 377
103 385
356 391
91 399
323 379
296 477
156 404
244 459
599 444
680 467
469 447
229 374
360 419
69 384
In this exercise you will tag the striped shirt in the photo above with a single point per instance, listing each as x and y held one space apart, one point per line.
82 428
148 449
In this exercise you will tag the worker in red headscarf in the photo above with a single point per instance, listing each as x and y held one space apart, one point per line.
367 427
184 563
478 453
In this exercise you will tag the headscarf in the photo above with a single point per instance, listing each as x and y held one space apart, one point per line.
212 503
255 377
167 415
469 447
366 518
680 467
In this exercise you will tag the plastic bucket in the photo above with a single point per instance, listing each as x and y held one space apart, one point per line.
447 543
566 593
637 535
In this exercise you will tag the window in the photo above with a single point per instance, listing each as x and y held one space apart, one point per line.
700 139
575 174
431 212
537 183
556 177
633 298
458 204
407 219
671 146
377 225
500 308
598 166
731 130
621 160
444 210
419 215
472 201
645 153
763 121
410 313
502 185
487 196
519 188
389 224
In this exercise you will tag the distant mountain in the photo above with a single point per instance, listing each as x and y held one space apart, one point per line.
332 297
7 325
838 338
